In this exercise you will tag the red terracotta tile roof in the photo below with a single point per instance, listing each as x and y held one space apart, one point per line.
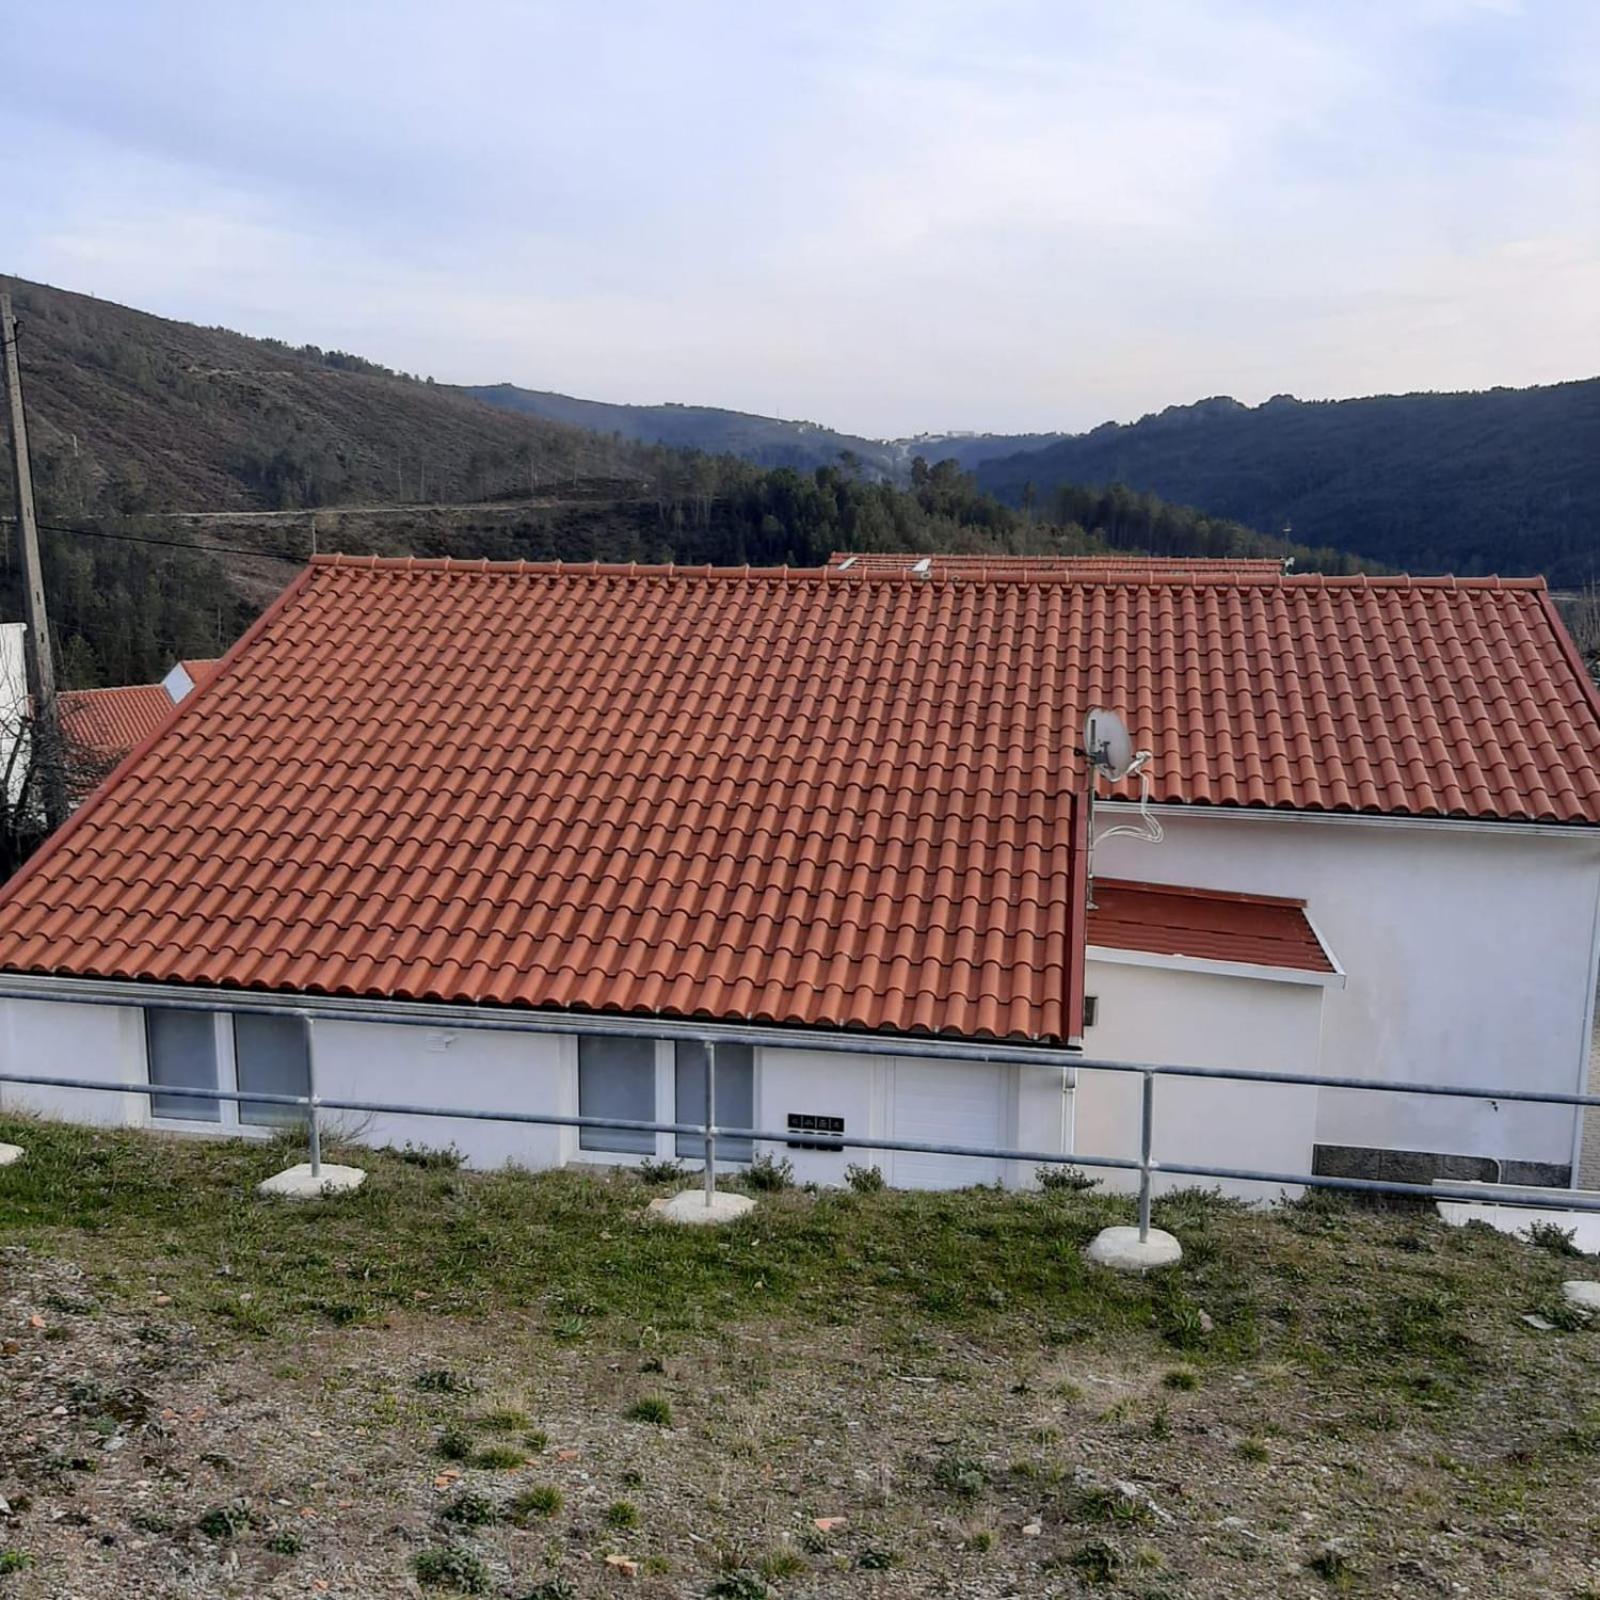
1205 924
1109 566
108 723
199 671
760 797
807 797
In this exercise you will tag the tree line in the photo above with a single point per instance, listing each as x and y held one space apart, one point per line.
123 612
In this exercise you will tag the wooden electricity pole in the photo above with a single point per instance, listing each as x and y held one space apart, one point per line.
41 669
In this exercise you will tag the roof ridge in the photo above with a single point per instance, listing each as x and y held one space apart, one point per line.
1168 578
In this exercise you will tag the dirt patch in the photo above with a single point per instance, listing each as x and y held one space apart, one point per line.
147 1454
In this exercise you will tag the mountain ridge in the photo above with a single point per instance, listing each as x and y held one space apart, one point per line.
767 441
1481 481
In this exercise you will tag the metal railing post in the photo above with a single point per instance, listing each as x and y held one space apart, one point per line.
313 1132
711 1120
1146 1130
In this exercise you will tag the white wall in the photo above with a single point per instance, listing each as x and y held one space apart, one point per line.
1146 1014
472 1069
1470 956
13 701
1200 1020
810 1081
59 1040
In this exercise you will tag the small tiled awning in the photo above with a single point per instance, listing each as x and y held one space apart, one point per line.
1209 928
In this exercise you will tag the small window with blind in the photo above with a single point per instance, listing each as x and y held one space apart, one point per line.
271 1057
617 1078
181 1050
736 1098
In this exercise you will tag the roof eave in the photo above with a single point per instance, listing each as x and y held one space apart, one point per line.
1221 969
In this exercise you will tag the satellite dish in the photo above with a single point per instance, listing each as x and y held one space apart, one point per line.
1108 744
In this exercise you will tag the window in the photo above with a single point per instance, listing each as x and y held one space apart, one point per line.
181 1047
270 1057
212 1050
617 1078
736 1098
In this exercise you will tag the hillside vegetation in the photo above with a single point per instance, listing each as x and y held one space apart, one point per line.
150 435
521 1384
1507 480
766 441
130 412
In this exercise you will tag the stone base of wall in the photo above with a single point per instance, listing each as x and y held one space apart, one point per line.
1427 1166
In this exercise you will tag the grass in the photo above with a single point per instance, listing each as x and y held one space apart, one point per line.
223 1522
505 1420
454 1444
469 1510
543 1500
996 1375
777 1565
1303 1282
457 1243
451 1566
652 1409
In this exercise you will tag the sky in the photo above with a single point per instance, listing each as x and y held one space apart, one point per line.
892 216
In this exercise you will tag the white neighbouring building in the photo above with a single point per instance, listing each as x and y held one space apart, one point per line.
790 809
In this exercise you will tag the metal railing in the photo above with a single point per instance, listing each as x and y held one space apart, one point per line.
1146 1165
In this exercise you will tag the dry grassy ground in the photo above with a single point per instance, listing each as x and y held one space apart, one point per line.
495 1383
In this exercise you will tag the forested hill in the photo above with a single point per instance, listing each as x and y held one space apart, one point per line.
1507 480
131 413
766 441
177 469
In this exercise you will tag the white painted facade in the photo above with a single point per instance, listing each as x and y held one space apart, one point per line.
13 703
1469 957
922 1099
1471 952
1194 1018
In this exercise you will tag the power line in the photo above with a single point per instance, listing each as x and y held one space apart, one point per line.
174 544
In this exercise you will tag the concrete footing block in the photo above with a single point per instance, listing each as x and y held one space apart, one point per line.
689 1207
297 1183
1582 1292
10 1154
1123 1249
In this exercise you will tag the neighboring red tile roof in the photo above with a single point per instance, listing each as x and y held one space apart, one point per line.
1205 924
760 797
108 723
1110 566
199 671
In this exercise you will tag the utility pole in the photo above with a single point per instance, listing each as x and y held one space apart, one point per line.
41 670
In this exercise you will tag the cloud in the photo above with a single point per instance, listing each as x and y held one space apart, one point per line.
889 216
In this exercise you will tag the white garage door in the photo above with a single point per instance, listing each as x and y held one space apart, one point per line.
946 1103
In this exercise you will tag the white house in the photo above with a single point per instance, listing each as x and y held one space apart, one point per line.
13 702
526 837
